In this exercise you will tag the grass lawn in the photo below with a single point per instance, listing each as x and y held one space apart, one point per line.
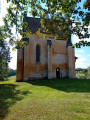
65 99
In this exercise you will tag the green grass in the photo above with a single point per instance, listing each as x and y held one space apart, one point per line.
65 99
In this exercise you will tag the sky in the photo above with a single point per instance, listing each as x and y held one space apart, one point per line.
82 53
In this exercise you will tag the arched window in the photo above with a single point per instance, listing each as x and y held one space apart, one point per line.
37 53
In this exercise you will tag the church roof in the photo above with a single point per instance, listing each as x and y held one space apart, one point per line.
34 23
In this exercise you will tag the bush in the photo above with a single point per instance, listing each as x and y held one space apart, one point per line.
88 73
12 72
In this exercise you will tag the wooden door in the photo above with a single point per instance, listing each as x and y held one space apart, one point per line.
57 72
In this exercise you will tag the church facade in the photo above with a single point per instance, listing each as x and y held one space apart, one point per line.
44 58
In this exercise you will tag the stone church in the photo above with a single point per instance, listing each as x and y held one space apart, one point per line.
44 58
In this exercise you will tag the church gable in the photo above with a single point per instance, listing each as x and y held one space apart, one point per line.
42 57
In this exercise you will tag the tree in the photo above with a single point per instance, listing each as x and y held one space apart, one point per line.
88 73
11 72
66 15
4 56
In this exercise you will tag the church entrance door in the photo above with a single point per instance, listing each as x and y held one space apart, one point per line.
57 72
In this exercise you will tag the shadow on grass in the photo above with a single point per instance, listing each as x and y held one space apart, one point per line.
67 85
9 95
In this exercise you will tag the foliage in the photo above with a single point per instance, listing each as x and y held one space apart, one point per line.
88 74
81 70
65 99
4 56
81 73
15 19
67 15
11 72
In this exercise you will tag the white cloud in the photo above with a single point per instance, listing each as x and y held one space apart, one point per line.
82 65
89 55
78 55
81 62
76 39
80 51
81 59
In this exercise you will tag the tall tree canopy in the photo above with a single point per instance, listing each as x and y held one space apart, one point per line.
4 56
67 15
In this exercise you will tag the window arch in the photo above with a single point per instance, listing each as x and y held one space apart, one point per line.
37 53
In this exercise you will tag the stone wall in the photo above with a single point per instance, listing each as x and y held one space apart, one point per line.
32 69
71 62
19 74
50 58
